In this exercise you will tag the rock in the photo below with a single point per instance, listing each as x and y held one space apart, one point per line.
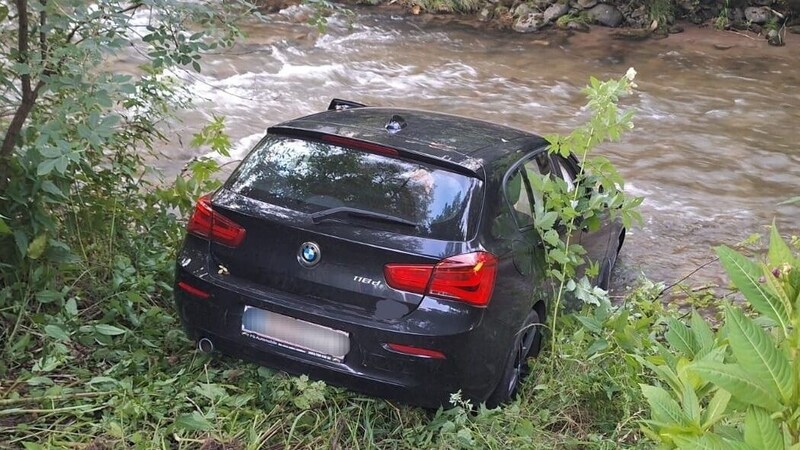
529 23
794 29
580 27
542 4
606 15
723 46
675 29
757 14
522 10
553 12
736 14
582 4
688 5
486 13
762 2
632 34
774 38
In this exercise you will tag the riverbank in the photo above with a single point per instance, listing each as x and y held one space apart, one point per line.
773 22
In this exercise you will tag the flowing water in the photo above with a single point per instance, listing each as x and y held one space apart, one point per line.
715 149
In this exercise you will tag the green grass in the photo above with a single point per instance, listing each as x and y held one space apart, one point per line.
143 386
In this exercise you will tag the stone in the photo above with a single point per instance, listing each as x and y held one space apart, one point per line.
580 27
632 34
757 14
606 15
541 5
762 2
584 4
553 12
522 10
774 38
675 29
529 23
736 15
486 13
794 29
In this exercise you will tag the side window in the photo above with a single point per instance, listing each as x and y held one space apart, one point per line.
517 194
537 166
566 171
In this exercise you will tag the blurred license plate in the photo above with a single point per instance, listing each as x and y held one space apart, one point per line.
295 334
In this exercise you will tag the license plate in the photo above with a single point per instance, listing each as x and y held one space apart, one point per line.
295 334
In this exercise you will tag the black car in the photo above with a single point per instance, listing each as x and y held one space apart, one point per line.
390 251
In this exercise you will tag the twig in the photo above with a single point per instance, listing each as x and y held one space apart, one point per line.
19 411
702 266
22 400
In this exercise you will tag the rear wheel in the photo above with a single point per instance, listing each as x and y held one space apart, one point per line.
526 344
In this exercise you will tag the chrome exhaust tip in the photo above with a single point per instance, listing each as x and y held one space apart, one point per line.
205 345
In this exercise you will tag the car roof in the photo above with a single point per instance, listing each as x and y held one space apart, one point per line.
469 143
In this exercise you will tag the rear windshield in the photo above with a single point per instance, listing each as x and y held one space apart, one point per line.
311 176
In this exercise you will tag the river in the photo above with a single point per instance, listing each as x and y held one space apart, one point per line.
715 149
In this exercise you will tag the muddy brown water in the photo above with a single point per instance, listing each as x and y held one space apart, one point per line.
715 149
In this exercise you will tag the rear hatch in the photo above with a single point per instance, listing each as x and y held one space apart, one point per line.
322 220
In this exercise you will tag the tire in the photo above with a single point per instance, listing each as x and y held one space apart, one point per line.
525 345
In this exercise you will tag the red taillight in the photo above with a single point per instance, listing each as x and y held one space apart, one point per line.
207 223
186 287
468 277
415 351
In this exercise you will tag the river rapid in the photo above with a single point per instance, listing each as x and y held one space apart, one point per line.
715 149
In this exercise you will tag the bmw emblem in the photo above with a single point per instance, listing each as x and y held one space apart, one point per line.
309 254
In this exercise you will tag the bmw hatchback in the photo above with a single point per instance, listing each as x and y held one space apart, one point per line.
389 251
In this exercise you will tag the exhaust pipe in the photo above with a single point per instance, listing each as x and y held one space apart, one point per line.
205 345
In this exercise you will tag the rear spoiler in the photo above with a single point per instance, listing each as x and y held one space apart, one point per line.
338 104
374 147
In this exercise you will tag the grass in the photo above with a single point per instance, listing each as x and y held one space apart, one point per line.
144 386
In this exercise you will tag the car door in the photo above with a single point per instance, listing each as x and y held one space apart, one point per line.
527 247
595 238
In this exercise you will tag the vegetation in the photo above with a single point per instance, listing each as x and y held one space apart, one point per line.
92 352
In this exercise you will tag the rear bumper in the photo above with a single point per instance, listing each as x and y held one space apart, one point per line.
474 357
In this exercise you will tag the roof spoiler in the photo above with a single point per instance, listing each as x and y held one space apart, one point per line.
338 104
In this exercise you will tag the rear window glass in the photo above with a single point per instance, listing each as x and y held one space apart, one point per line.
310 176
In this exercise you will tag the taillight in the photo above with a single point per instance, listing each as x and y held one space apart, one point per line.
415 351
209 224
193 290
468 277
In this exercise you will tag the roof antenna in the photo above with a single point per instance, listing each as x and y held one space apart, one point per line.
395 124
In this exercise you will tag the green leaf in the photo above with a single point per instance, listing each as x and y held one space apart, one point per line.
56 332
193 422
48 296
108 330
744 274
691 404
4 228
790 201
716 408
546 221
739 383
663 407
708 441
3 12
681 338
46 166
50 187
702 333
37 246
760 431
779 253
756 353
